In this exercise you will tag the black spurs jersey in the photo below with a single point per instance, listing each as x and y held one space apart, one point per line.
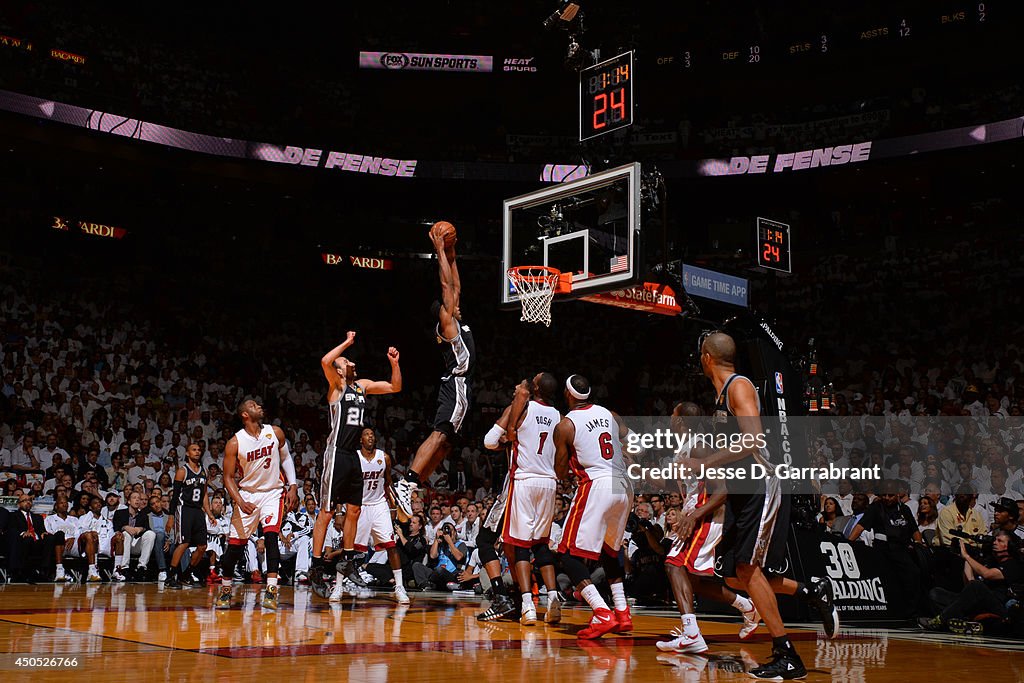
725 425
347 419
459 354
192 487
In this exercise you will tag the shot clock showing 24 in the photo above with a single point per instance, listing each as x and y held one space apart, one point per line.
606 96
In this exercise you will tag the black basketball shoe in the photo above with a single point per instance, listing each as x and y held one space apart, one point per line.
501 607
785 665
823 599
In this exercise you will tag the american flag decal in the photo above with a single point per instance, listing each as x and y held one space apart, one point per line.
619 264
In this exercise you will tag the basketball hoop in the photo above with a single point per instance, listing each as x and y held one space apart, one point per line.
535 287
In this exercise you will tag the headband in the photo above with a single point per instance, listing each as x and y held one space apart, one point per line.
572 391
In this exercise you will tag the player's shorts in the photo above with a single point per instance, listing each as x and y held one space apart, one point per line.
102 547
497 512
342 480
529 511
269 512
214 543
190 526
756 530
452 406
596 520
697 556
375 526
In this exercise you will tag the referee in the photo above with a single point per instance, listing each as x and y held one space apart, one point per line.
189 509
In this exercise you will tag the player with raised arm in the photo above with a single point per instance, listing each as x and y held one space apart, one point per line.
458 350
756 539
341 479
589 440
530 508
186 520
259 454
376 528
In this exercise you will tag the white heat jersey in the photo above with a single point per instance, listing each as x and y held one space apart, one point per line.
535 448
373 476
597 452
54 524
259 460
90 522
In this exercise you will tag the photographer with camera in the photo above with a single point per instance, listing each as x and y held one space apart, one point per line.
645 556
447 554
988 584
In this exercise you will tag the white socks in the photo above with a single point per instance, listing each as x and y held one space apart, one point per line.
690 625
553 596
593 597
271 581
619 596
742 604
398 578
527 601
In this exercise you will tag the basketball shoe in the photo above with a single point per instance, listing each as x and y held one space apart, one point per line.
403 496
501 606
401 597
623 621
821 597
270 594
529 616
751 619
785 665
682 643
223 600
554 613
602 622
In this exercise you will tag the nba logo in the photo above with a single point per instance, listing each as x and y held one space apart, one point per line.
778 384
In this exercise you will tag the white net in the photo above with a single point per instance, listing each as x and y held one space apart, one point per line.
535 286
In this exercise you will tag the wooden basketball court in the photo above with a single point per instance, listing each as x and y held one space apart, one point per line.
143 632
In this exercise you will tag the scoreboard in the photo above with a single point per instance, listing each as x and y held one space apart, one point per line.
773 248
606 96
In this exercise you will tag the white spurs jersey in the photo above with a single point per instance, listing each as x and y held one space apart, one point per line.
373 476
597 452
259 460
534 455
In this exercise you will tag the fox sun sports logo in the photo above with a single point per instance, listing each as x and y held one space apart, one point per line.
394 60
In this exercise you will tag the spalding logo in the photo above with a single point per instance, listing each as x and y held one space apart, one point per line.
394 60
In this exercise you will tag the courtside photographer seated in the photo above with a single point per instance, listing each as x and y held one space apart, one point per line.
989 583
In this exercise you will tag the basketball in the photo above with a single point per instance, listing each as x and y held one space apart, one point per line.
448 230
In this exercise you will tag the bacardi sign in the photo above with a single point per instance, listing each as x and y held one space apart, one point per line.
88 228
367 262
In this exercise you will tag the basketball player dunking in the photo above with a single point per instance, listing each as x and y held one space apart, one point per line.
259 454
527 503
756 540
458 351
695 532
589 440
341 480
189 509
376 530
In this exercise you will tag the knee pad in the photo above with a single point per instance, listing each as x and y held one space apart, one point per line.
227 562
273 551
575 569
542 555
522 554
611 566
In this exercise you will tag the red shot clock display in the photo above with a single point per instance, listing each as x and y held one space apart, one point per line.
606 96
773 249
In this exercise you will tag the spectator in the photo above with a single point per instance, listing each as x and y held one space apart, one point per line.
830 512
927 519
961 515
162 543
27 542
1007 516
132 536
25 457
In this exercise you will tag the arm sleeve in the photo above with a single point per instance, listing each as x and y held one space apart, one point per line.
175 496
287 465
493 437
